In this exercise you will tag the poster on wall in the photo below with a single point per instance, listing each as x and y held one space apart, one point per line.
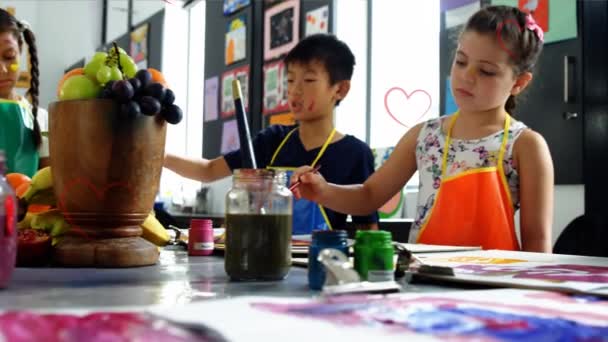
231 6
557 18
211 96
539 10
230 136
139 46
242 74
281 28
236 41
393 208
317 21
275 88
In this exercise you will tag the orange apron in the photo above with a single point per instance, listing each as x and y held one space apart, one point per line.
474 207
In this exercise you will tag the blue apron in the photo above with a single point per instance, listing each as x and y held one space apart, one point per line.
16 138
307 215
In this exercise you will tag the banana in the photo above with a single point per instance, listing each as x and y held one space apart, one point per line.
154 231
26 222
42 180
51 221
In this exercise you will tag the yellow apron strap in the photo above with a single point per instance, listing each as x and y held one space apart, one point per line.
448 140
276 152
329 139
325 216
501 155
505 138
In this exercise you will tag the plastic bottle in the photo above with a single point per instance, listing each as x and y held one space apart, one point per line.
8 227
200 238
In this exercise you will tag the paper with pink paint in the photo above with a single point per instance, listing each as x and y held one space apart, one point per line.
567 273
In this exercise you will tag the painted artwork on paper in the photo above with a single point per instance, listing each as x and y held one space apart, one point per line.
139 46
236 41
281 28
533 270
393 208
211 98
505 315
232 6
227 103
230 137
275 88
317 21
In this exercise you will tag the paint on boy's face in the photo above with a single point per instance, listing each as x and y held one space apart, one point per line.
9 55
481 75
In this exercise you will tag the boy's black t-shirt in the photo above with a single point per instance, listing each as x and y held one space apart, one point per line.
346 161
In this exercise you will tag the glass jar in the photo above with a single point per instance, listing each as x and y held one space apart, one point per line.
8 228
374 255
322 239
258 225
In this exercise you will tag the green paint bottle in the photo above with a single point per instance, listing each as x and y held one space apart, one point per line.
374 255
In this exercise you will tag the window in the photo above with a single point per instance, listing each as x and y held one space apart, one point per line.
186 29
404 58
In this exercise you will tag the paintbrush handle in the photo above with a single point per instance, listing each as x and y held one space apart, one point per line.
247 153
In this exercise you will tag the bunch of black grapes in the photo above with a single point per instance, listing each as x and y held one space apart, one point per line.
140 95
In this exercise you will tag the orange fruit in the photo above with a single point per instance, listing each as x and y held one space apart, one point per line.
21 189
77 71
158 77
16 179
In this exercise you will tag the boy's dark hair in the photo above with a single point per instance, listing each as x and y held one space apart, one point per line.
522 44
333 53
8 23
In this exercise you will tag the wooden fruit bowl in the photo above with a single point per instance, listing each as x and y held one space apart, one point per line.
106 171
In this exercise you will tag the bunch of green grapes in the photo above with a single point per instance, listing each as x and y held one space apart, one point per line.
105 67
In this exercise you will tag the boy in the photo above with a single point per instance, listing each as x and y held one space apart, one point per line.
319 70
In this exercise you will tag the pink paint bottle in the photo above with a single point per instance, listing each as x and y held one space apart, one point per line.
200 237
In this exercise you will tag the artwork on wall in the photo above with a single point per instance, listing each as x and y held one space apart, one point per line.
275 88
317 21
139 46
230 136
242 74
393 208
281 28
557 18
232 6
236 41
539 10
211 97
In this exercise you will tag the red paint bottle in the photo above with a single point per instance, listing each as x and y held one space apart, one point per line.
200 238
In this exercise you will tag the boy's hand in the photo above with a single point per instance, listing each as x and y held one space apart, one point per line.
311 186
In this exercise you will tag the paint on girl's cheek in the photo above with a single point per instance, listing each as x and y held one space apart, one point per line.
14 67
311 106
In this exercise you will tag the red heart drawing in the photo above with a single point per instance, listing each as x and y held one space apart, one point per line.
499 35
407 96
99 194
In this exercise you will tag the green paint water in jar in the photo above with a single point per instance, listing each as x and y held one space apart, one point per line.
258 226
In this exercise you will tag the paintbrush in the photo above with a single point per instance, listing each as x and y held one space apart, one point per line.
406 258
247 154
295 185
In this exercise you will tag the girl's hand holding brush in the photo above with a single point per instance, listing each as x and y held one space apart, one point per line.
307 182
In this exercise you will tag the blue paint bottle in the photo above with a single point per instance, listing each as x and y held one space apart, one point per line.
322 239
